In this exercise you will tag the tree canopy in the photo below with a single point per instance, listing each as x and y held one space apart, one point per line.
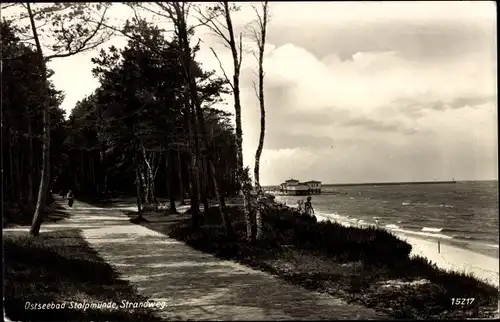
149 129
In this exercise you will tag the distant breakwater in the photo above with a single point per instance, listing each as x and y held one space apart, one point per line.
388 183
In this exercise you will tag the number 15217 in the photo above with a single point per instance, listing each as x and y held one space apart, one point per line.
462 300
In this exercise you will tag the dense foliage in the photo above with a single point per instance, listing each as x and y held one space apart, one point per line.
22 107
133 134
137 119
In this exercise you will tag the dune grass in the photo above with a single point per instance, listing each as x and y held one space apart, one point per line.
60 267
367 266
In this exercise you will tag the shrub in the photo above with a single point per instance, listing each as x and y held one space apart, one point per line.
336 240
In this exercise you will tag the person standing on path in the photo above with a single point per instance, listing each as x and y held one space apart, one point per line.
308 207
71 198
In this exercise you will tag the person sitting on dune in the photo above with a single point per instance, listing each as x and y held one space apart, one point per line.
299 205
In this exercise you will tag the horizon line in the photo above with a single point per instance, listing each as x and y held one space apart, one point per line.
396 182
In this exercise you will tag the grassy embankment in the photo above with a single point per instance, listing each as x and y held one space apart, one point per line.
60 267
366 266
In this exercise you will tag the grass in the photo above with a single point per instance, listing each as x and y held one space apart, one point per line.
16 215
366 266
60 267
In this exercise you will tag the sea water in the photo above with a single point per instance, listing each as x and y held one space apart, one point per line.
462 213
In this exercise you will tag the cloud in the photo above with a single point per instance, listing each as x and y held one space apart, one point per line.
277 139
371 91
342 13
378 125
417 30
417 107
382 96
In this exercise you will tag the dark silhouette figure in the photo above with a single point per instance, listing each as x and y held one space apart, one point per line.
308 207
300 204
71 198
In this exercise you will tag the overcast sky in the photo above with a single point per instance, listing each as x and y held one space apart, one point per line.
361 92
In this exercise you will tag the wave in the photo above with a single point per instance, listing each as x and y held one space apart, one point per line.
419 203
432 230
476 240
467 237
404 226
423 233
351 221
460 231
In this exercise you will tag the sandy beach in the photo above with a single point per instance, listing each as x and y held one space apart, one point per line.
485 268
454 258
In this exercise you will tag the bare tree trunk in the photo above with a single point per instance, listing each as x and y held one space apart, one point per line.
141 181
94 184
145 183
239 129
193 166
45 175
138 187
187 61
261 41
203 183
20 188
178 11
170 173
198 172
237 59
30 167
11 168
145 186
145 179
75 181
150 170
82 170
153 170
181 184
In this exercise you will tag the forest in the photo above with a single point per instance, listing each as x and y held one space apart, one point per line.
150 129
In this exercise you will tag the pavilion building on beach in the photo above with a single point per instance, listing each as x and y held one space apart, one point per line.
297 188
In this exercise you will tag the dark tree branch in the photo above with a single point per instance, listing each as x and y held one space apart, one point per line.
83 46
222 68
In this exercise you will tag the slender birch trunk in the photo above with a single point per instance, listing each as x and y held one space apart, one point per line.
262 20
45 173
138 187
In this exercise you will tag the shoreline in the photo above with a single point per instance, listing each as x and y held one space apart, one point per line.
451 256
485 268
488 247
